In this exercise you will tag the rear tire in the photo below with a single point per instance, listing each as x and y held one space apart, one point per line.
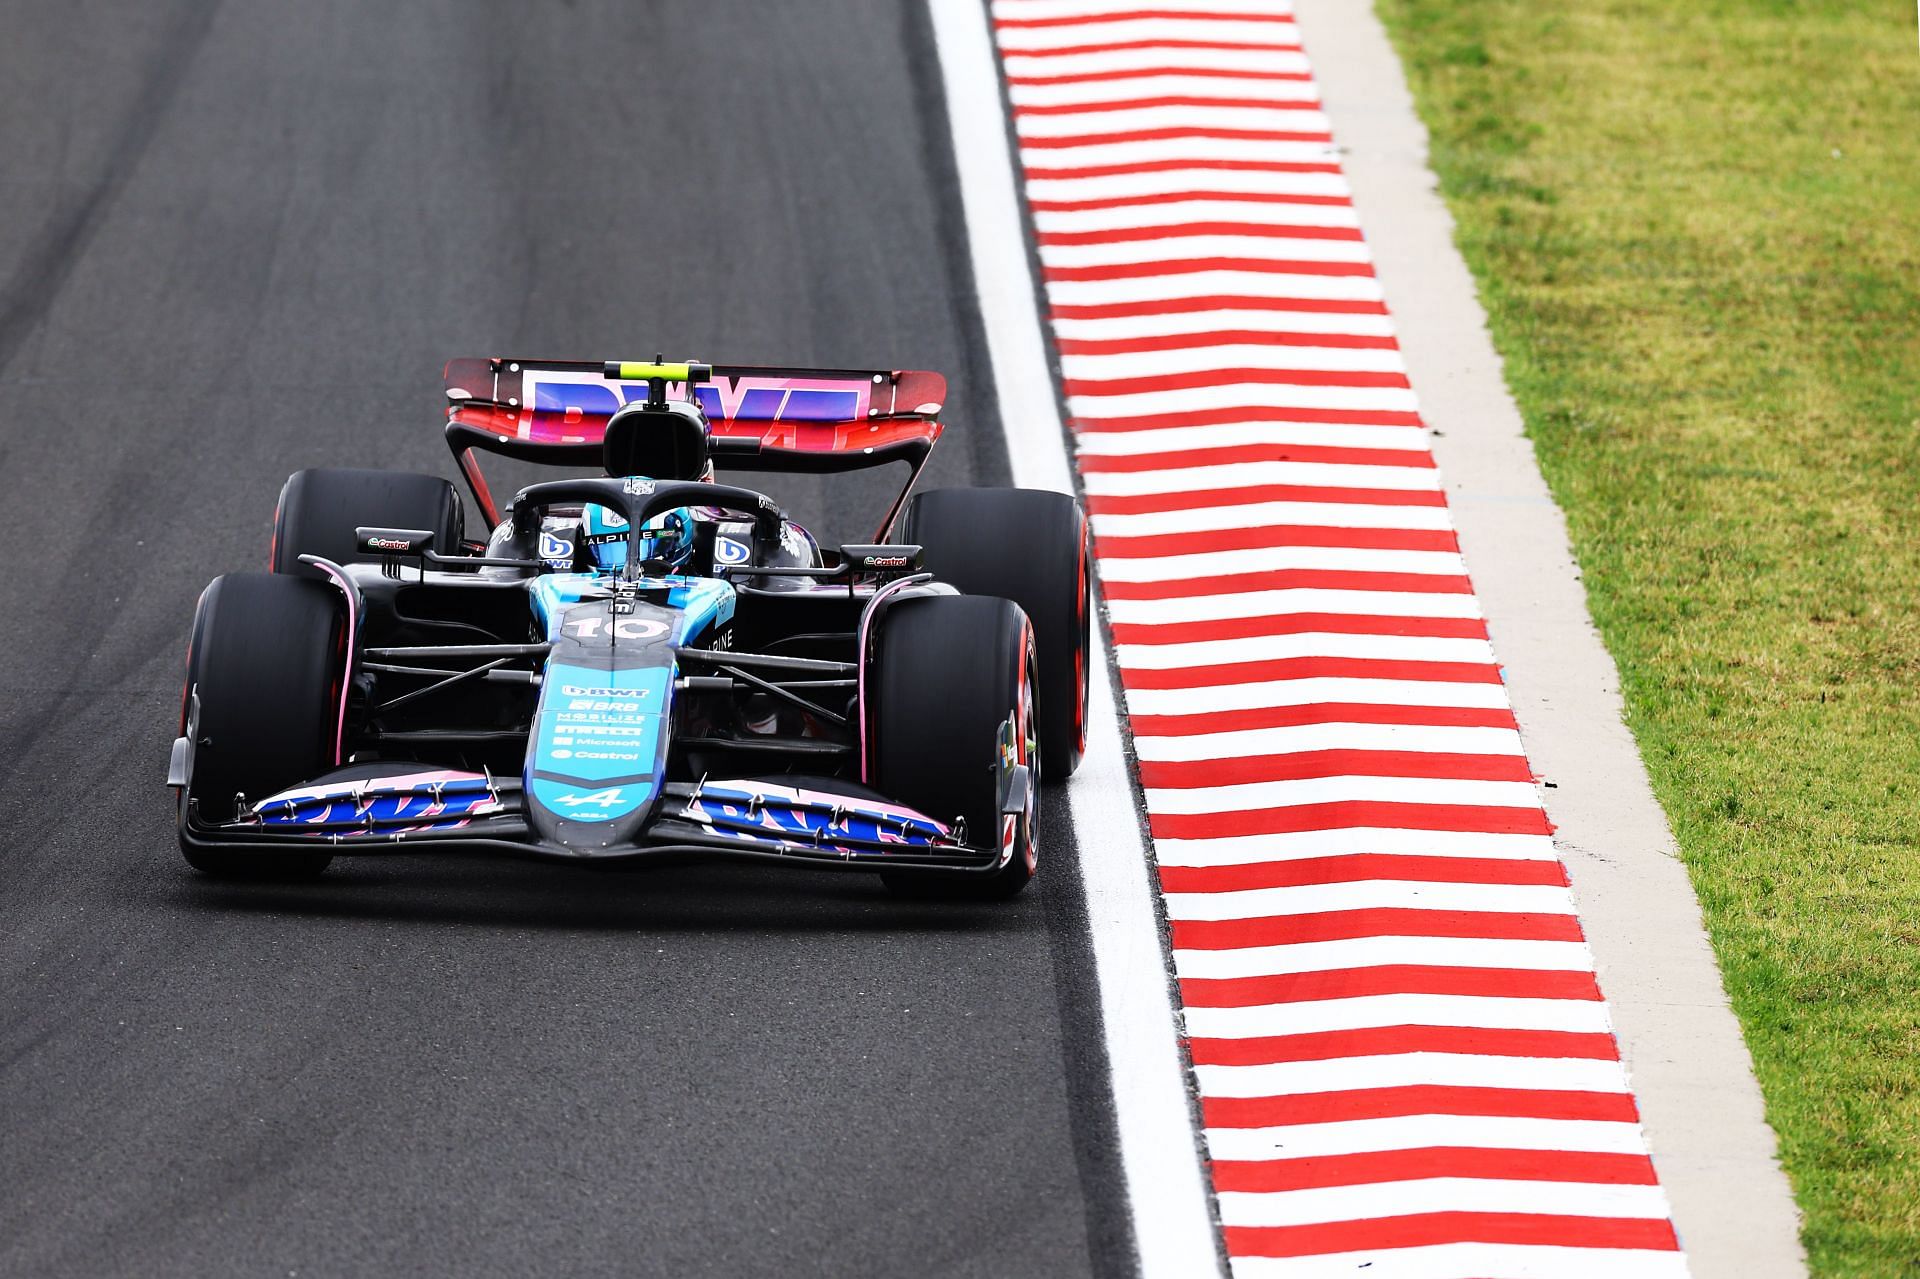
265 660
949 671
320 508
1030 547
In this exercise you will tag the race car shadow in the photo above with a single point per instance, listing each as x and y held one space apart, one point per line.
688 897
667 899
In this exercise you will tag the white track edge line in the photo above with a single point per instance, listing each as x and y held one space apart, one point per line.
1166 1185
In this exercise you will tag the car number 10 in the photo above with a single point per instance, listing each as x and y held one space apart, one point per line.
628 628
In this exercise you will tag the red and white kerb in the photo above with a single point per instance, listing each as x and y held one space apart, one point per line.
1404 1062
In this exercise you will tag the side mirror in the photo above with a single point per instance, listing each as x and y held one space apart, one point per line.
392 541
881 557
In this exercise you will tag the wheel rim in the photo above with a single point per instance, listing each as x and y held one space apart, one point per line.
1082 635
1027 743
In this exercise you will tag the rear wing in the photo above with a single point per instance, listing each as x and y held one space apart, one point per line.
764 417
567 403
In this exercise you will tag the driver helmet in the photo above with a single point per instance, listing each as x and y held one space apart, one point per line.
666 538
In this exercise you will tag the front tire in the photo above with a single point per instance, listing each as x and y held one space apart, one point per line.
950 672
264 665
320 508
1028 546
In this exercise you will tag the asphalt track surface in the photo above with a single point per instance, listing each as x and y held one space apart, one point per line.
242 239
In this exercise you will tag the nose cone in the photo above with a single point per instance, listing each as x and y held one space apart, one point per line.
600 739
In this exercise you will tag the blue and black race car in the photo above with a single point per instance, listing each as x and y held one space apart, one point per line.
641 662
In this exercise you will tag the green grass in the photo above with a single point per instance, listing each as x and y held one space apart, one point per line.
1696 229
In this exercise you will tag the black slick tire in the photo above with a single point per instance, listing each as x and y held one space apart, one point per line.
264 666
1030 547
320 508
948 672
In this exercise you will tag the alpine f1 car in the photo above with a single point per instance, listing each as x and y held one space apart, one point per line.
641 662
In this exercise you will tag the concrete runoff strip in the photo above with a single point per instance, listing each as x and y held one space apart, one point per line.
1699 1102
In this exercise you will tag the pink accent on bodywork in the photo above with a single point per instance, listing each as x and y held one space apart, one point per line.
769 790
884 400
369 785
470 468
372 788
353 644
860 685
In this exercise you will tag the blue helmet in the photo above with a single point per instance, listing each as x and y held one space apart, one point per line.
667 538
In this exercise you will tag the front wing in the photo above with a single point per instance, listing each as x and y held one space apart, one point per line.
741 819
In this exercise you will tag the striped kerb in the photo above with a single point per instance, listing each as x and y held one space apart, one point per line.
1404 1063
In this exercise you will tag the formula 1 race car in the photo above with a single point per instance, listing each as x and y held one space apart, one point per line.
641 662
